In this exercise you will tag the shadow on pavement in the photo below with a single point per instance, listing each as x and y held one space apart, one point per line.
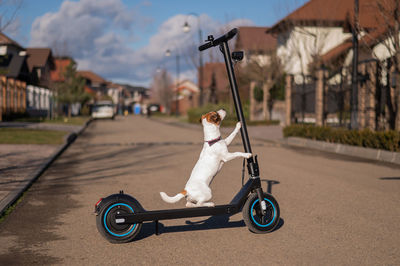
214 222
270 183
389 178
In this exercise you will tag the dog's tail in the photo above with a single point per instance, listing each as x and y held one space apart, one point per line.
175 198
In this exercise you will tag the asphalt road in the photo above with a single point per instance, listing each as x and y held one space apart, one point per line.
334 209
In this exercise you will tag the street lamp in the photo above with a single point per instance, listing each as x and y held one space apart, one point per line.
186 28
354 78
168 53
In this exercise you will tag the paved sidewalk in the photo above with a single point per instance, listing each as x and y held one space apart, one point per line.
21 164
17 165
44 126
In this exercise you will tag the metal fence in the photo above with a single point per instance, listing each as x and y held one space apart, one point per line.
375 101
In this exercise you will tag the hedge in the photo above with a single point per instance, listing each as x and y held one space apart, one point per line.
385 140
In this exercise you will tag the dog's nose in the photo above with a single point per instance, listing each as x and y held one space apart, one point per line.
223 109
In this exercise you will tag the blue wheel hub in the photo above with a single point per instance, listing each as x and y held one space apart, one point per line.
118 230
257 217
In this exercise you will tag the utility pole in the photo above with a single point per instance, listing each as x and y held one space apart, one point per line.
354 79
177 84
186 28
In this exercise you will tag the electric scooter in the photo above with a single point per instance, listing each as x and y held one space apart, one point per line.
119 217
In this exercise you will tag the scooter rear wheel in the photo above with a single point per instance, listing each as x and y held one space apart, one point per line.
253 217
110 229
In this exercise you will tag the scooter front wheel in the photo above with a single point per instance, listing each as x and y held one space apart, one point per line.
108 226
256 221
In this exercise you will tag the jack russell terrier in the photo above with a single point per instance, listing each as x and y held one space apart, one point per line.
214 154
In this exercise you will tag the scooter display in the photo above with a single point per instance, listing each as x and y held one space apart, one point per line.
119 217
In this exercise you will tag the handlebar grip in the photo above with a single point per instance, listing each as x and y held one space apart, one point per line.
230 34
205 46
224 38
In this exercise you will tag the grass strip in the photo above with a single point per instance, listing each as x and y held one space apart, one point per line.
74 120
10 209
31 136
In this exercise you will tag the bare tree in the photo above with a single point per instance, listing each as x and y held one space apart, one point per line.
266 70
60 49
162 89
9 12
388 16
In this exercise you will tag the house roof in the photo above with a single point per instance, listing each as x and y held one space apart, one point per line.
255 39
368 40
93 77
329 13
337 51
38 57
57 75
131 88
5 40
113 85
14 66
187 85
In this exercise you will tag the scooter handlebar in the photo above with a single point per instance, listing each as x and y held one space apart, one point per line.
226 37
205 46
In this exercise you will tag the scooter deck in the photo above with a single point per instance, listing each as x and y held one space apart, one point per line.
234 207
176 214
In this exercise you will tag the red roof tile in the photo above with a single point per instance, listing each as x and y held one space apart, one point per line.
93 77
255 39
368 40
57 75
329 12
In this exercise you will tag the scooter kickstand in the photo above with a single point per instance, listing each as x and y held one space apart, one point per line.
157 232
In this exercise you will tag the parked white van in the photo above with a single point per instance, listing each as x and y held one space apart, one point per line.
103 109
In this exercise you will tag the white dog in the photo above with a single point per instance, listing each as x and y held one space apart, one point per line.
212 157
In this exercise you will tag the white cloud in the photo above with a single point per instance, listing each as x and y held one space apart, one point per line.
97 34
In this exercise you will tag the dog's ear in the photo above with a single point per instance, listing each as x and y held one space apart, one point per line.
200 119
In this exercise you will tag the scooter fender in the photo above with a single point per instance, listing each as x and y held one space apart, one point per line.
120 197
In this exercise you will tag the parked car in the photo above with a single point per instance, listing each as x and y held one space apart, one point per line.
103 109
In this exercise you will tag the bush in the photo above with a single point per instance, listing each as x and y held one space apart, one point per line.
388 140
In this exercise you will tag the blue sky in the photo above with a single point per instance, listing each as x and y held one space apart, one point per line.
125 41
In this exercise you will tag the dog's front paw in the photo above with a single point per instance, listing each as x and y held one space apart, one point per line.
238 125
247 155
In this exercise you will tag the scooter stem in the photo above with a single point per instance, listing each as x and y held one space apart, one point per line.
252 165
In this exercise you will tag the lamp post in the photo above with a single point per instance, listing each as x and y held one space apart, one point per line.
186 28
354 80
168 53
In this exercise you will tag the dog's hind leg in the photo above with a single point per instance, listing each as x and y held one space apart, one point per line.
190 204
208 204
203 199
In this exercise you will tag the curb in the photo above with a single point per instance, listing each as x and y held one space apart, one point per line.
361 152
15 195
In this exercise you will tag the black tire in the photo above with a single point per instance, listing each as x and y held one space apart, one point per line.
252 215
109 229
